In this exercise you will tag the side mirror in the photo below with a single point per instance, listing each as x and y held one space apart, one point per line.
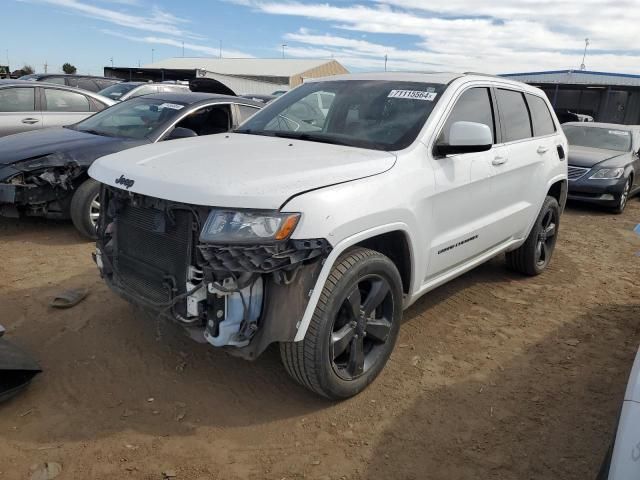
181 132
466 137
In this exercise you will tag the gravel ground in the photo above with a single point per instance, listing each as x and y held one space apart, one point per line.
495 376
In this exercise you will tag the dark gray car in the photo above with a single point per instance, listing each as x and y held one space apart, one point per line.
44 173
604 163
28 106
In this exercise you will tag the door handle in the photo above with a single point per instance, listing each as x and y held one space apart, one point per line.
30 121
499 161
542 150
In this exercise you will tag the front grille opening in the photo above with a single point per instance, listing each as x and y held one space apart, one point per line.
153 251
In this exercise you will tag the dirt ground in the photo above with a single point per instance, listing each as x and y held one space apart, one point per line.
495 376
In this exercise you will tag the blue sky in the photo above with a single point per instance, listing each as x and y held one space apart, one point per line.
500 36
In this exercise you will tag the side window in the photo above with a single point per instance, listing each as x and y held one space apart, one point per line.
17 100
208 120
65 101
245 112
56 80
104 83
87 84
514 115
474 105
540 115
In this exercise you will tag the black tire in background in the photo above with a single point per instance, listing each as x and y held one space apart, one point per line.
353 329
85 206
534 255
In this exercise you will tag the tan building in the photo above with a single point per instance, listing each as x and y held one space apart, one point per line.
239 75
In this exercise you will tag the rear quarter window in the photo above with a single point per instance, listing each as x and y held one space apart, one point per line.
540 116
514 115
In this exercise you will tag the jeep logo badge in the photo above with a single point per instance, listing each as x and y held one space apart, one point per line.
125 182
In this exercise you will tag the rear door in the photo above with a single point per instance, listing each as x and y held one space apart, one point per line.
19 111
520 162
463 204
63 107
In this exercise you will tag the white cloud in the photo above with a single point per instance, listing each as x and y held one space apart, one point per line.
159 20
153 40
498 36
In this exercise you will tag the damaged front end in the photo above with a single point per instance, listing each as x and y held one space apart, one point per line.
199 267
41 186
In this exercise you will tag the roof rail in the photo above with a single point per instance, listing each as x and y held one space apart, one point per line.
481 74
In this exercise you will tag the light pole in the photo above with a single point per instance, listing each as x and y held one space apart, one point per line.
153 50
183 49
220 48
584 55
111 59
284 45
385 62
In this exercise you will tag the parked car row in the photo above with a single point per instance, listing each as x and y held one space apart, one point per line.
44 172
315 219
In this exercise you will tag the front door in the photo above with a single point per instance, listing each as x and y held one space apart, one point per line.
463 204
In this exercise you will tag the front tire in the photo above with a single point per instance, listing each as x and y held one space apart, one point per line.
85 208
534 255
353 329
623 197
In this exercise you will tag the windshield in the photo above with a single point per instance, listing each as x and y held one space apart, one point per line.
381 115
116 91
137 118
596 137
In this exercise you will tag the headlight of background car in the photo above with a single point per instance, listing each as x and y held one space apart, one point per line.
607 174
224 226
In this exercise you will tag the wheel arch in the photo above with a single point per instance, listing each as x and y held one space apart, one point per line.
392 240
559 190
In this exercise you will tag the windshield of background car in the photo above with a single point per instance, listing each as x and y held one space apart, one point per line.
597 137
116 91
137 118
374 114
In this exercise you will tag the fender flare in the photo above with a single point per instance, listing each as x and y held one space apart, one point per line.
338 249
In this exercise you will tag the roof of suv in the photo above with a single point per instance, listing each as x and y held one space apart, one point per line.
73 75
435 77
194 97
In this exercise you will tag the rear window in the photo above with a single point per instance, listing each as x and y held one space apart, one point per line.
540 116
65 101
514 115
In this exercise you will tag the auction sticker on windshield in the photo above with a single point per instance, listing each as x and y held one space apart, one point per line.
413 95
174 106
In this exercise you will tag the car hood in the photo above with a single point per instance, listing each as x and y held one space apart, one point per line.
588 157
237 170
63 144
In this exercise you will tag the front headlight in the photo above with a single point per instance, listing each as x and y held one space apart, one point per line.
225 226
607 174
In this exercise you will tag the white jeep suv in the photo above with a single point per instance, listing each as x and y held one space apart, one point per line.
315 228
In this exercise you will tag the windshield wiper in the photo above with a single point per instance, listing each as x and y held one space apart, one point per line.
312 138
95 132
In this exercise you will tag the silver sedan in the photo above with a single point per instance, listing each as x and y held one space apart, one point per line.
30 106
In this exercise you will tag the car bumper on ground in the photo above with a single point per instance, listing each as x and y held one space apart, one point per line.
604 192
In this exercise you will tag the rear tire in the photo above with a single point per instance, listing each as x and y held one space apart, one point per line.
534 255
353 329
85 207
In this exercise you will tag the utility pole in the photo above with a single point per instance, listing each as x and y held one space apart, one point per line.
138 63
220 48
183 49
385 62
584 55
45 66
283 47
153 51
111 59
